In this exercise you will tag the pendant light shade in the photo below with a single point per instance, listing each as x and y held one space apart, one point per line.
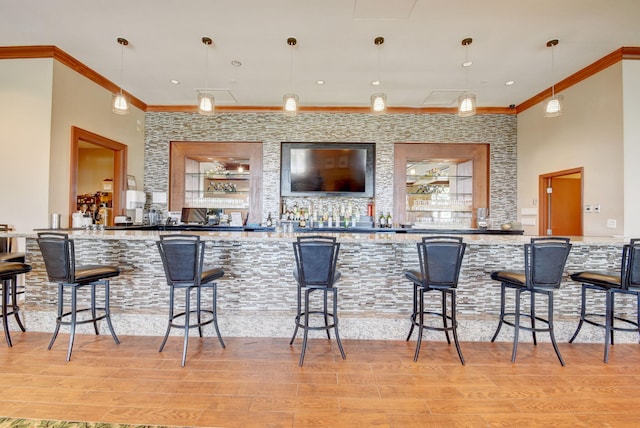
206 100
206 103
466 105
290 102
378 101
119 102
467 101
553 106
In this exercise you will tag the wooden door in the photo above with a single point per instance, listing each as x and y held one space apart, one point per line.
561 203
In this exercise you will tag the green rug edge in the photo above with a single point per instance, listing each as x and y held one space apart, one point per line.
6 422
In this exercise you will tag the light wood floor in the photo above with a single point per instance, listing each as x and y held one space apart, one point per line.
257 382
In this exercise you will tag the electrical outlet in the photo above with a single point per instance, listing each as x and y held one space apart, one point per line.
596 209
611 223
587 208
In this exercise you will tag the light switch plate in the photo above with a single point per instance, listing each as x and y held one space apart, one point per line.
587 208
596 209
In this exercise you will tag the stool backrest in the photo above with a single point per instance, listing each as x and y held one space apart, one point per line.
58 252
631 265
316 260
440 260
182 258
544 261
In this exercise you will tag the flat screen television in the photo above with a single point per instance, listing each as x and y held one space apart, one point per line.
317 169
194 215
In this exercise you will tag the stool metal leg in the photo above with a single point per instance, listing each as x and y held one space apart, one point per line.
502 292
444 315
171 302
72 333
306 325
608 329
420 322
454 326
583 300
414 313
533 318
215 313
5 322
551 333
93 308
335 321
14 303
516 327
59 317
107 310
187 313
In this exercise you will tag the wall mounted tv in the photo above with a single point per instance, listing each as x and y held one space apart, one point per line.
327 169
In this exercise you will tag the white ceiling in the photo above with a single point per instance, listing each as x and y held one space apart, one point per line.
422 53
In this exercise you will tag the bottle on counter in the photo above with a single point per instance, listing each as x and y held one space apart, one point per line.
269 220
389 220
382 221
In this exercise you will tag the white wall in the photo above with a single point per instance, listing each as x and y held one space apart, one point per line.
25 129
631 89
589 134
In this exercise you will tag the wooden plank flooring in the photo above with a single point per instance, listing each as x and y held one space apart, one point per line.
256 382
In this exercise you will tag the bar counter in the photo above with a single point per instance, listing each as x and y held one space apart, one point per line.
257 295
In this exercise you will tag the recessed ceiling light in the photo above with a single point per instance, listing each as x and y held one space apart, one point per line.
467 63
174 81
510 82
236 63
319 82
375 83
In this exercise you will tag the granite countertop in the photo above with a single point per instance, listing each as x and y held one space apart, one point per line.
235 235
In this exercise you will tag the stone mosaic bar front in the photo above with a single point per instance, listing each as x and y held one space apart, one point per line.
256 297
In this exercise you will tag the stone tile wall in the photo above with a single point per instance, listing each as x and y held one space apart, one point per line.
499 131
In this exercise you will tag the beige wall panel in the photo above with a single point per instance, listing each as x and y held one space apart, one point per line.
589 134
631 85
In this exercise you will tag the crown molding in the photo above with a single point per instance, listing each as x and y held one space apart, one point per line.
25 52
17 52
580 75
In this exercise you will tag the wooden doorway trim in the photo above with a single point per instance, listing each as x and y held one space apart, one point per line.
119 167
543 205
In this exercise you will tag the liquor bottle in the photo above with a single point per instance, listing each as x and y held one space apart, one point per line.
382 220
269 220
389 220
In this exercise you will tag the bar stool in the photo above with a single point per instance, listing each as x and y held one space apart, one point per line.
544 261
182 259
8 278
440 259
316 259
627 282
58 252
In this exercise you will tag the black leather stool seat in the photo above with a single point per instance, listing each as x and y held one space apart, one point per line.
90 273
8 274
601 279
211 275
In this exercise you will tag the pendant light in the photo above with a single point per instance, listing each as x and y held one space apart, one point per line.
206 100
379 100
467 101
553 106
119 102
290 101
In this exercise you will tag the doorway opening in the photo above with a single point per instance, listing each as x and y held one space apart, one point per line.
560 196
82 138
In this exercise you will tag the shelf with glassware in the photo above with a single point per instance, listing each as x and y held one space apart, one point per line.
439 201
225 191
